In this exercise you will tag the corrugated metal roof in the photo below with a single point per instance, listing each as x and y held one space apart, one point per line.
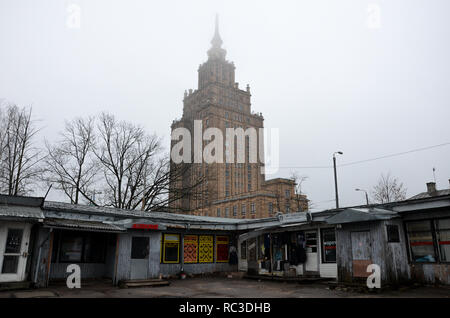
361 215
83 225
425 195
16 211
21 200
66 207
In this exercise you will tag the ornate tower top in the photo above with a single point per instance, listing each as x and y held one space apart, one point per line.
216 51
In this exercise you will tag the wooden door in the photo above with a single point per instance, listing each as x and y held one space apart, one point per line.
361 253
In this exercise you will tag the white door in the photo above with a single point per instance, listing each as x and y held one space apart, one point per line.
140 250
311 264
14 242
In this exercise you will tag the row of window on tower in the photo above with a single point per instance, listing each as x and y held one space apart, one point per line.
225 212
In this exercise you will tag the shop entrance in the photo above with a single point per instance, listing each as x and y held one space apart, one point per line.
14 241
311 264
140 248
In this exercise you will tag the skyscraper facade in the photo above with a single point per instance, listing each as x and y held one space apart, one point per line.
233 188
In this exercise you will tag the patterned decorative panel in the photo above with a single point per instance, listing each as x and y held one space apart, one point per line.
222 248
206 249
190 248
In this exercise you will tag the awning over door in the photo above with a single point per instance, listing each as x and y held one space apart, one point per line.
352 215
85 225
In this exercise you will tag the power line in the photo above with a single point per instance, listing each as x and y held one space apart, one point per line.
367 160
395 154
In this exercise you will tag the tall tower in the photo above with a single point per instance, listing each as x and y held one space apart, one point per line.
220 103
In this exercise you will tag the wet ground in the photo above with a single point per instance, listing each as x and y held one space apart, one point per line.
224 288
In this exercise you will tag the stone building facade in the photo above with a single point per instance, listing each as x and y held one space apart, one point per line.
233 188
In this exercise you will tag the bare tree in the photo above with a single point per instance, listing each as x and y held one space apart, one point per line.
187 188
129 160
300 197
388 189
298 179
70 163
19 159
114 163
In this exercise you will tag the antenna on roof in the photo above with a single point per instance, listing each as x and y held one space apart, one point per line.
434 175
48 191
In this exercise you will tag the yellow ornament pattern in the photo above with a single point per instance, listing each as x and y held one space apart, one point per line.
206 248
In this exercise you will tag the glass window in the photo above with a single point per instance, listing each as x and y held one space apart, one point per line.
443 238
244 250
243 209
79 247
393 235
234 210
421 241
10 264
328 246
94 248
171 248
311 242
13 241
139 247
218 212
71 248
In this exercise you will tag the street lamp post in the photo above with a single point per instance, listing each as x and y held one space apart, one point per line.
335 177
367 197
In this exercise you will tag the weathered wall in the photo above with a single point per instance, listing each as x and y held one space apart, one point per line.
123 271
39 266
200 268
391 257
431 273
123 268
396 255
87 270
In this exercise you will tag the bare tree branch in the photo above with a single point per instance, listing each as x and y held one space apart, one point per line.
19 159
388 189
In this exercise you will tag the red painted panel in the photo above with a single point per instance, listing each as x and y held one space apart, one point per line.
145 226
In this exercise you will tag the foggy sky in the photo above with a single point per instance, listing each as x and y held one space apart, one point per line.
316 71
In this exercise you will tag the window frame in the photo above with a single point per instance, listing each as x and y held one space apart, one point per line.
243 250
85 236
437 230
435 242
322 246
164 248
388 240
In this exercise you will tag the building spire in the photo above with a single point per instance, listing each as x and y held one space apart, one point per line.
217 41
216 51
